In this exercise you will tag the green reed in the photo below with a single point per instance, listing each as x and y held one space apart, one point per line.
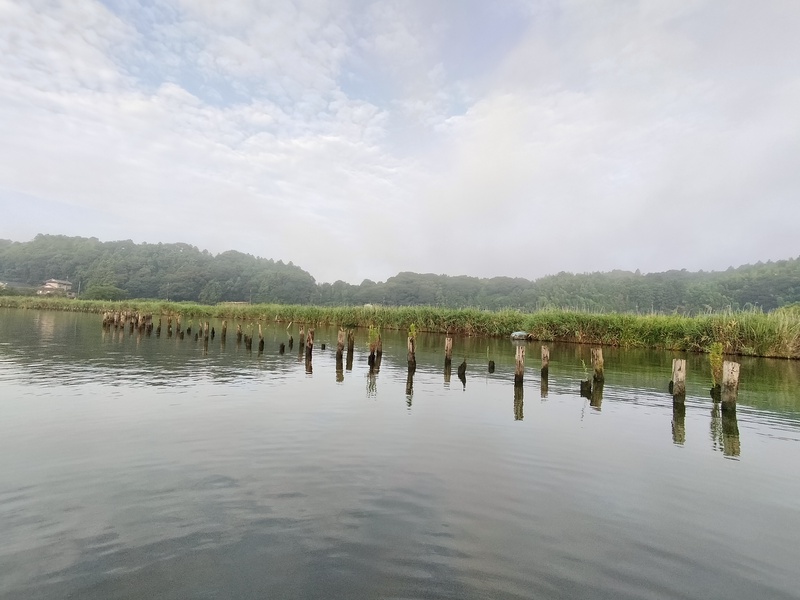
752 333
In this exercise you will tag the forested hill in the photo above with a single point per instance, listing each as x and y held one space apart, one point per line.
183 272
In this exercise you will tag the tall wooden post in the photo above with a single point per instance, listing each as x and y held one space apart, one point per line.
730 383
597 364
679 379
412 356
340 344
519 368
302 338
309 343
545 361
448 350
224 331
351 342
260 339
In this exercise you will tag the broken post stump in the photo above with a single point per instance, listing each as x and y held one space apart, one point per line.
730 383
545 361
678 383
519 366
597 364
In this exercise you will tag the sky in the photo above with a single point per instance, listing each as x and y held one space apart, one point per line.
361 139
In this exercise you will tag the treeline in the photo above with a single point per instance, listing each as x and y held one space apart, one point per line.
180 272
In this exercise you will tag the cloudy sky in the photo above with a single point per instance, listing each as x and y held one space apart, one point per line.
359 139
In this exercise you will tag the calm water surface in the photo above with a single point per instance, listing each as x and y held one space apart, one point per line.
135 467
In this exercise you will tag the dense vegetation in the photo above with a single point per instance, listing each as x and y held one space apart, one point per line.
753 333
122 269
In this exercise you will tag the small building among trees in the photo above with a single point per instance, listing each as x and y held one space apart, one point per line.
55 287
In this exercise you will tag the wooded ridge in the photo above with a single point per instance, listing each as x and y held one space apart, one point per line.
181 272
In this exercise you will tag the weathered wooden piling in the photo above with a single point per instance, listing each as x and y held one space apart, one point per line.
412 355
309 343
730 383
519 366
351 342
678 383
158 329
169 327
282 348
238 333
545 361
340 344
291 342
224 331
597 364
491 366
448 349
302 338
260 339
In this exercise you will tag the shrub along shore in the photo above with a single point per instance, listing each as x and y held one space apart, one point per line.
752 333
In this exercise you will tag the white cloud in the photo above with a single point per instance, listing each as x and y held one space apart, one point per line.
351 138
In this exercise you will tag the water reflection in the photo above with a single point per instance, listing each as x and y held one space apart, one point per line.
410 383
678 423
730 431
518 402
544 385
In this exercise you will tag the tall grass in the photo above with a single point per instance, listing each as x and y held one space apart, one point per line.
753 333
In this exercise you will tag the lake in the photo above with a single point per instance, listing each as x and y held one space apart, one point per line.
150 467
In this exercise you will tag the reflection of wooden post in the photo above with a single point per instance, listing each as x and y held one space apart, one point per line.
597 364
730 382
260 339
448 368
519 369
678 423
448 350
302 339
679 379
238 333
412 357
730 429
518 401
224 331
491 366
597 395
545 361
544 387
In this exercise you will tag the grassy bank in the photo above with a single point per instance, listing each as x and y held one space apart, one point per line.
775 334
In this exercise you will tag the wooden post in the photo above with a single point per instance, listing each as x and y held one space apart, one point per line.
545 361
158 329
224 331
378 353
678 383
519 370
309 343
302 338
260 339
238 333
340 344
491 366
340 356
597 364
351 342
448 349
412 356
730 382
282 348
